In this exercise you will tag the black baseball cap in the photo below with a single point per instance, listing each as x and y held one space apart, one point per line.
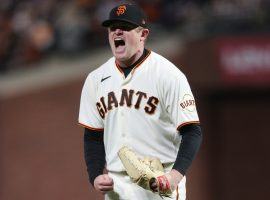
130 13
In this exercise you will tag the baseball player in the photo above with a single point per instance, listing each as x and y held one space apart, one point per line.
141 100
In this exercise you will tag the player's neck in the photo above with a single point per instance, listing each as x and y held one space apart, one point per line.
132 60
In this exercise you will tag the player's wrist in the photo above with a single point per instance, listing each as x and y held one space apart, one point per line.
174 178
175 173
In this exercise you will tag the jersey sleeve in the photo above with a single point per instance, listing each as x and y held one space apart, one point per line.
180 102
89 116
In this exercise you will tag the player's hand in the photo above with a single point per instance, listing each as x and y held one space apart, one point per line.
173 177
103 183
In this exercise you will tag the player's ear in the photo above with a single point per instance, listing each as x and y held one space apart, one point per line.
144 34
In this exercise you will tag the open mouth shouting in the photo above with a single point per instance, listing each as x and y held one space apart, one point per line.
119 44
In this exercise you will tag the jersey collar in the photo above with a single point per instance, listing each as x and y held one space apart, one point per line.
135 65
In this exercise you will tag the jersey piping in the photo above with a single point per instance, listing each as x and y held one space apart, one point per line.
136 66
91 128
186 123
177 193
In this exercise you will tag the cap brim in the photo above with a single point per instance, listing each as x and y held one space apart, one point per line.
109 22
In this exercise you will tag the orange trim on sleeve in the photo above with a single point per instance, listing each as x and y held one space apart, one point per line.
91 128
191 122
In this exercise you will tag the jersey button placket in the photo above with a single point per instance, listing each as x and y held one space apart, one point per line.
123 110
123 127
127 79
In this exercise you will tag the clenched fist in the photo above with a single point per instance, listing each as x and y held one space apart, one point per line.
103 183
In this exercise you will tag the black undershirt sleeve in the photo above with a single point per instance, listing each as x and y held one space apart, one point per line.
94 153
190 144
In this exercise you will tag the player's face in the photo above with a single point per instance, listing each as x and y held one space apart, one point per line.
127 41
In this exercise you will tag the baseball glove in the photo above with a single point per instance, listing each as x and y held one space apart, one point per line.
146 172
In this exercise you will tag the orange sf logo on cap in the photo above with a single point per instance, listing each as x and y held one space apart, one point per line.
121 10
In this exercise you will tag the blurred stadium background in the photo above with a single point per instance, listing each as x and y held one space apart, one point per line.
47 48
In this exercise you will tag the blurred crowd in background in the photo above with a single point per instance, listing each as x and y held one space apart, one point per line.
30 30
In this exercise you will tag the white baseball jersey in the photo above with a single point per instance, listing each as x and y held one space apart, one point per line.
143 110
